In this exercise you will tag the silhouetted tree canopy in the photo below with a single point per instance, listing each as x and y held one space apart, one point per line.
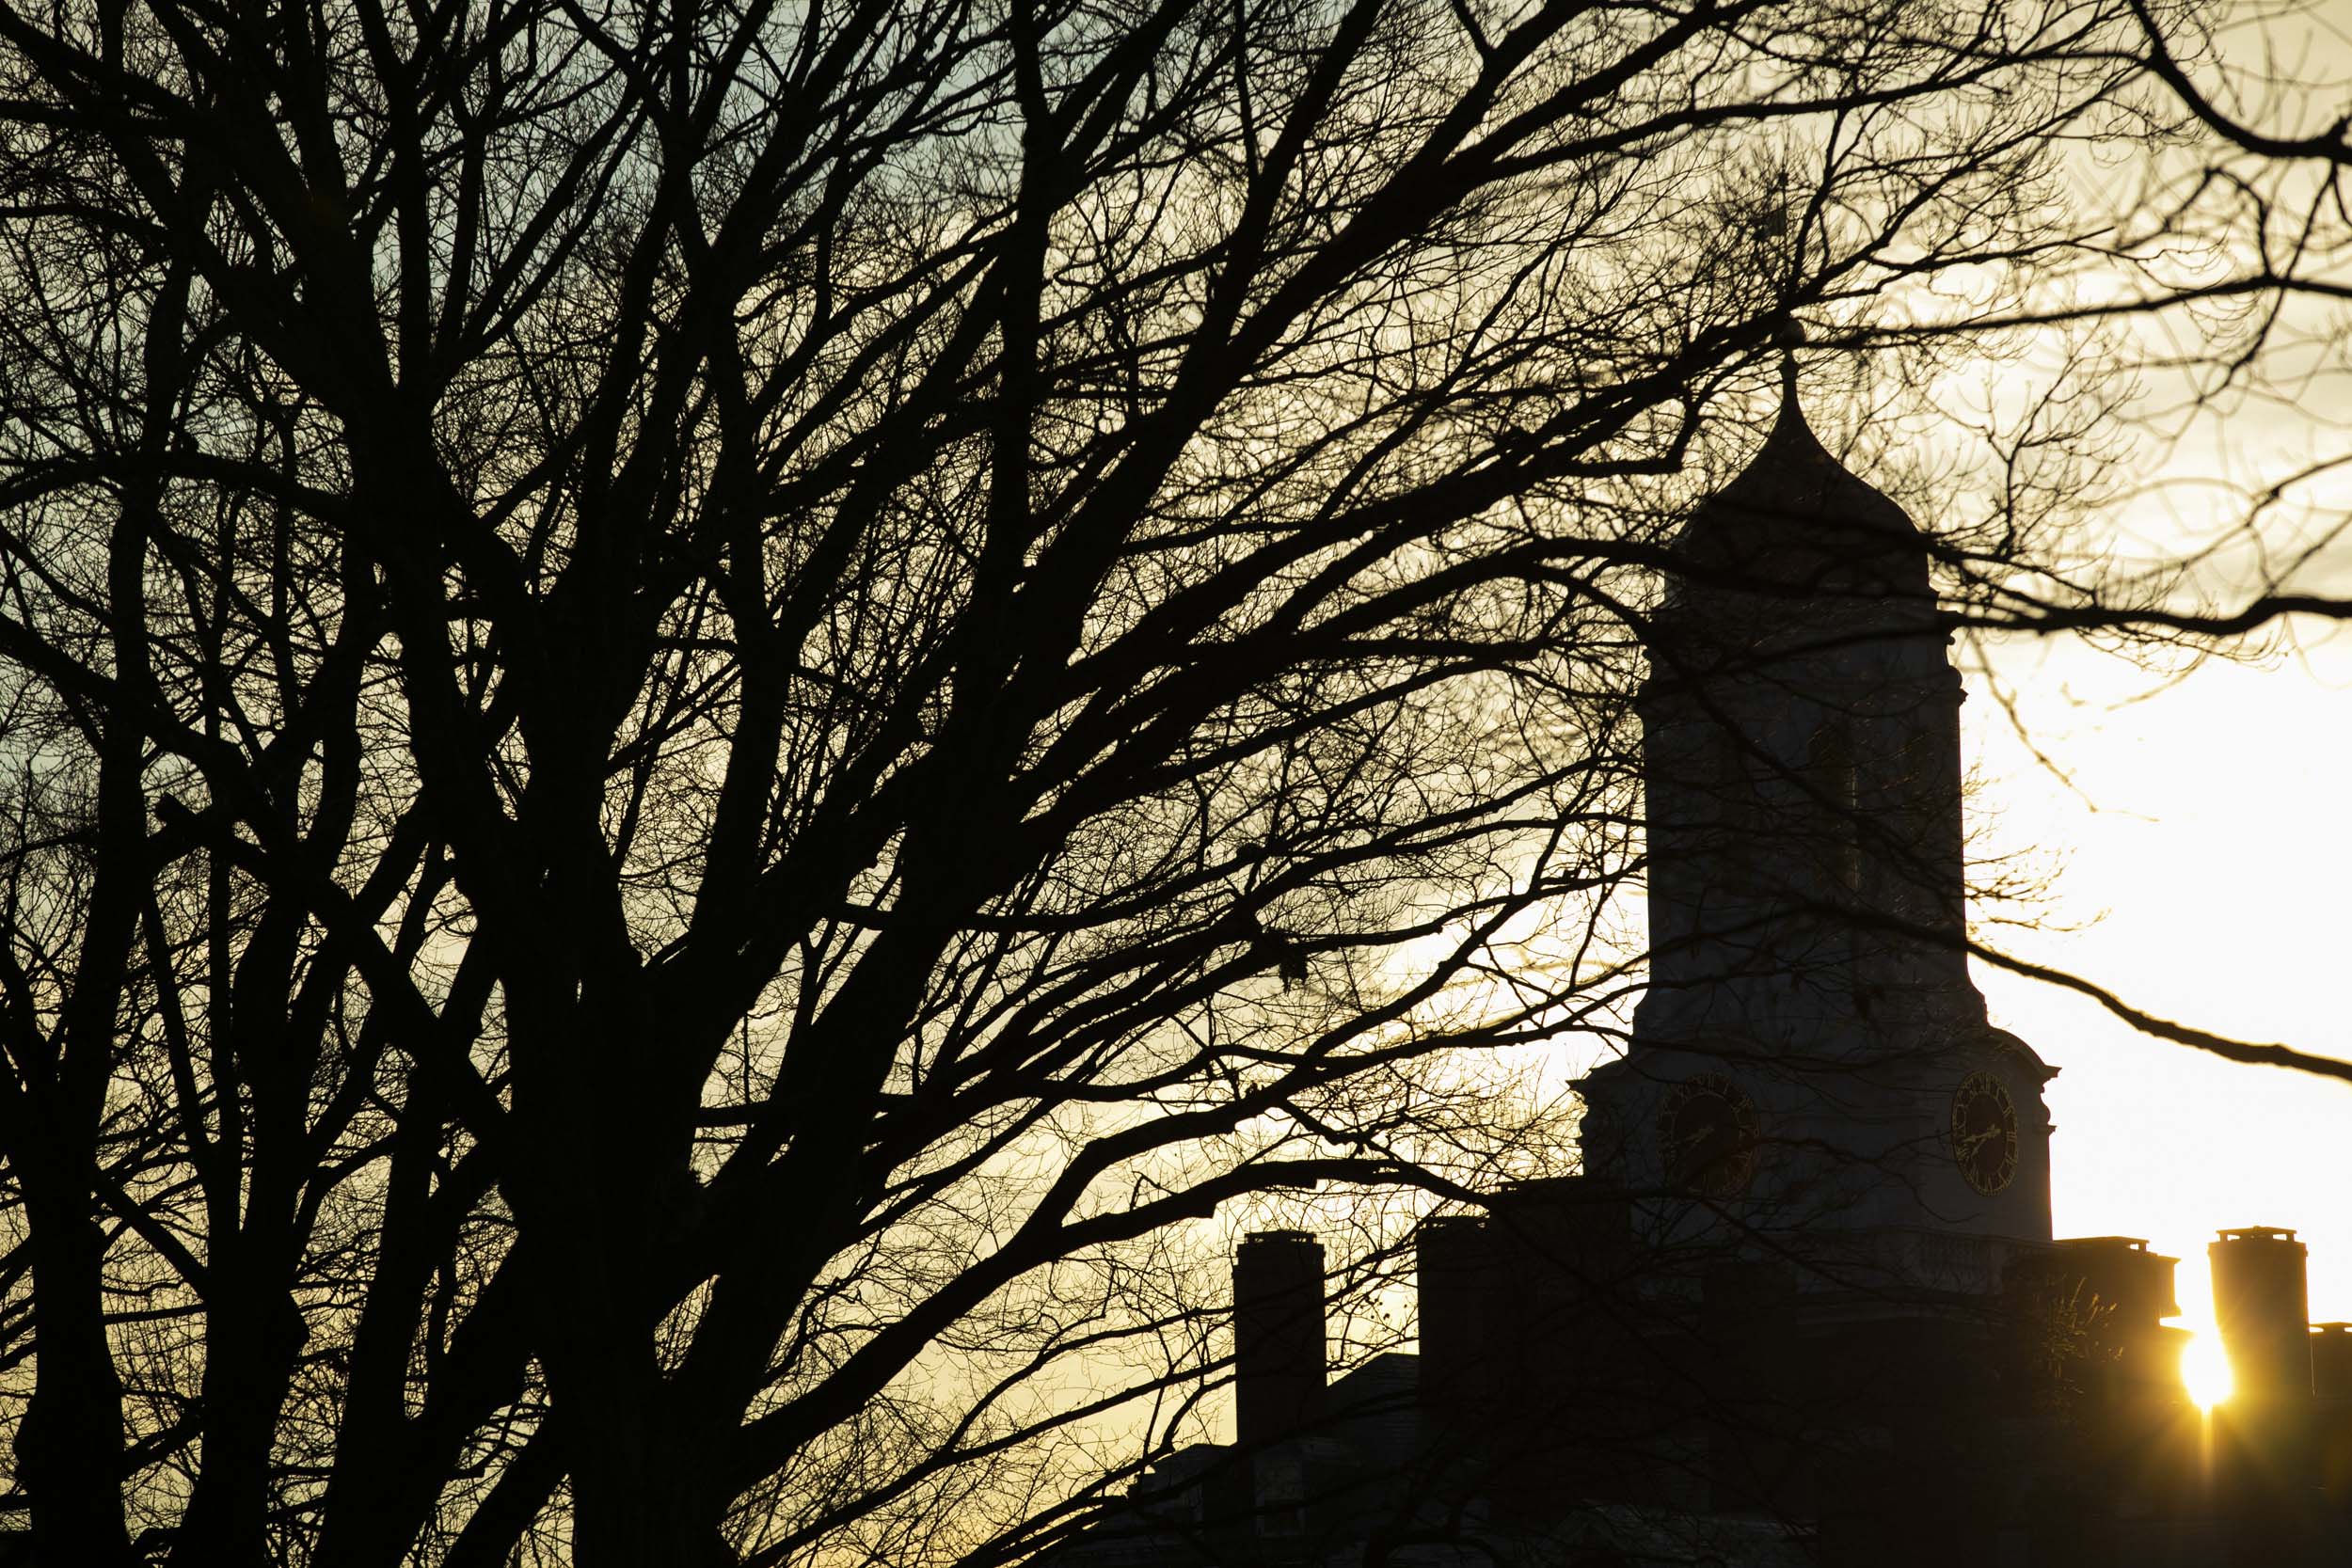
712 711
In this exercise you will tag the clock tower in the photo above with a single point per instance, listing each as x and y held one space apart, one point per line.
1811 1056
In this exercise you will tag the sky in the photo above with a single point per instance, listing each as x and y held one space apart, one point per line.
2199 851
2201 855
2194 839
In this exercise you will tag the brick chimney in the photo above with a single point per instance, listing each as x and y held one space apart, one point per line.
2262 1305
1279 1364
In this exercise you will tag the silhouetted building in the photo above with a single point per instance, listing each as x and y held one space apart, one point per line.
1804 1304
2262 1308
1279 1354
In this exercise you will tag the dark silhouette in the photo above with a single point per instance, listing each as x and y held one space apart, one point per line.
1803 1305
720 724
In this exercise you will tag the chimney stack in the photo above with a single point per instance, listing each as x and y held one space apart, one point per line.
1278 1365
2134 1287
1460 1287
2332 1361
2262 1305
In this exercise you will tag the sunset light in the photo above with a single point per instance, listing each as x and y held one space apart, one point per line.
1156 784
2205 1371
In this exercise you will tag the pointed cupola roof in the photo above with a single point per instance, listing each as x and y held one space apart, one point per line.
1797 528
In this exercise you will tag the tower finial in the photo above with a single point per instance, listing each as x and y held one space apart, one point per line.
1788 332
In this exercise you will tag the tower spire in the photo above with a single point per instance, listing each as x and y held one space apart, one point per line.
1789 335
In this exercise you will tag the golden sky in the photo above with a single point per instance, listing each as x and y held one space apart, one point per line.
2203 853
2202 848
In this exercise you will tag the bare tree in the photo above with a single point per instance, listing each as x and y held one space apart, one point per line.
713 711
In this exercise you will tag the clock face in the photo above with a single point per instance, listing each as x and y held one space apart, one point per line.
1984 1132
1707 1131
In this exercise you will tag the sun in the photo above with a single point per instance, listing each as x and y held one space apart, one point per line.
2205 1371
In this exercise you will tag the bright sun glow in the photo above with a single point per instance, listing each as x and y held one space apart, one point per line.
2205 1371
